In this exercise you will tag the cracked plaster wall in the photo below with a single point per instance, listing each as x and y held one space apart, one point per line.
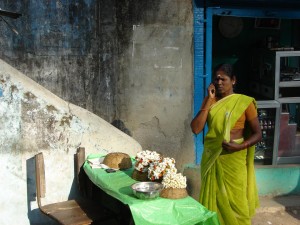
129 62
35 120
156 87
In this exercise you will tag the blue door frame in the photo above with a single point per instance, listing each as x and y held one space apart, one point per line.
203 20
199 74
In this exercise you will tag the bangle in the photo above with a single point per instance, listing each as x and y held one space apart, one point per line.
246 144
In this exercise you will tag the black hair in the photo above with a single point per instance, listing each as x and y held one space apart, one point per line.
226 68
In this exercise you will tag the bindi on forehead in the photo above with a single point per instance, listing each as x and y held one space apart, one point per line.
221 76
221 73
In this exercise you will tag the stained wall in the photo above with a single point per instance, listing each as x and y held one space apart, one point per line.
127 61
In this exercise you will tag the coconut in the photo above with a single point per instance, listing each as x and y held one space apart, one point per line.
118 160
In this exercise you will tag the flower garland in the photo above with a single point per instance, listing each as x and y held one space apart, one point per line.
157 169
174 180
145 158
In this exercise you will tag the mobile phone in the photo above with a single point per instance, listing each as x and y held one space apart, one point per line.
109 170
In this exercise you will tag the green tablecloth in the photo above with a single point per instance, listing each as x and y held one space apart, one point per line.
159 211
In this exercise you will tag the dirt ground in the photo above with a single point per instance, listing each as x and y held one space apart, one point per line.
289 217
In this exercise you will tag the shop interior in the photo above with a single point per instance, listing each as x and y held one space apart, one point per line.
251 45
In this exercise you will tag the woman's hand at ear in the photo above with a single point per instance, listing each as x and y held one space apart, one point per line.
211 91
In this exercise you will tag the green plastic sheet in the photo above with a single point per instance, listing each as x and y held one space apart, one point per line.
159 211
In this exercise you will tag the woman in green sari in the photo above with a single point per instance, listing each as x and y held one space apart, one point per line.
228 184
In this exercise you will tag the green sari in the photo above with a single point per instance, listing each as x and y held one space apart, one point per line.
228 184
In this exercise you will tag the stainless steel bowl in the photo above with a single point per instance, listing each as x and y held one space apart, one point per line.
147 190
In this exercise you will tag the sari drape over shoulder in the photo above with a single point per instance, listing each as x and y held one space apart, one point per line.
228 184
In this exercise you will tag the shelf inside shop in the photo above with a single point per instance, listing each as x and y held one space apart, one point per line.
289 100
292 83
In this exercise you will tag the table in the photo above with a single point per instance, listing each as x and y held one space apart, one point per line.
159 211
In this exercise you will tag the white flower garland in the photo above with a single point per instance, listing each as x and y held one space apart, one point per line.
158 169
174 180
145 158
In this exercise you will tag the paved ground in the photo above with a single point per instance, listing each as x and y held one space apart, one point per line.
278 211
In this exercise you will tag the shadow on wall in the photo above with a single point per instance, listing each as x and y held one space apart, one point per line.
121 126
35 216
297 188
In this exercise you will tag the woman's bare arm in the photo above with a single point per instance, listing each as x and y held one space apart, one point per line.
199 121
256 133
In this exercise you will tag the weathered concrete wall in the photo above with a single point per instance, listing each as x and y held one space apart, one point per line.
128 61
67 46
35 120
156 86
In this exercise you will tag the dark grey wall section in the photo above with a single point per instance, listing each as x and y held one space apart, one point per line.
69 47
